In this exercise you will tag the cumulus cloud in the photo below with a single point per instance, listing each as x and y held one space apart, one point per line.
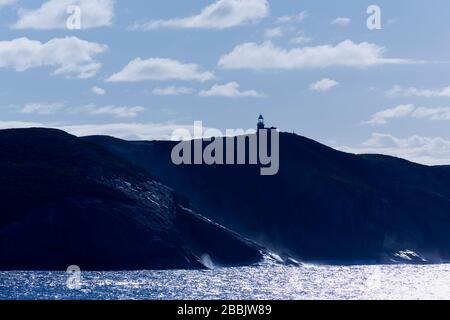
98 91
219 15
297 37
115 111
48 108
172 91
341 21
160 69
70 56
43 108
230 90
439 113
53 14
294 18
424 150
412 91
323 85
409 111
268 56
383 116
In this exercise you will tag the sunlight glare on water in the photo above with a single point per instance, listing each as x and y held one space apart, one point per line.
263 282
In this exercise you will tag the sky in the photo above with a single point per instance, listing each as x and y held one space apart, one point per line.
140 69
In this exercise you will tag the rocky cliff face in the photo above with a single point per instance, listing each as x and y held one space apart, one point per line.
108 204
324 205
67 201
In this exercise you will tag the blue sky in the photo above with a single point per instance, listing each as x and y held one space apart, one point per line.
138 69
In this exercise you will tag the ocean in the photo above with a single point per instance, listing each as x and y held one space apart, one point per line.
270 281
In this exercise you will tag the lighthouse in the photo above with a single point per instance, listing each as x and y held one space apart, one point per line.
261 124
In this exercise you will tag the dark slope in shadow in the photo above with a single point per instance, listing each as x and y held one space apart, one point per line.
324 205
67 201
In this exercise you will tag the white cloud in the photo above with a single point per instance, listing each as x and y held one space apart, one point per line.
301 39
411 111
70 56
47 108
439 113
383 116
273 32
341 21
424 150
172 91
43 108
297 36
426 93
219 15
268 56
19 125
53 14
394 91
323 85
130 131
4 3
116 111
229 90
98 91
160 69
295 18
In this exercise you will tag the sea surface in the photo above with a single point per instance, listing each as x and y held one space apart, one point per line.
271 281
